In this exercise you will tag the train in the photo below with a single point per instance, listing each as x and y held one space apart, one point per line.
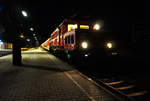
83 39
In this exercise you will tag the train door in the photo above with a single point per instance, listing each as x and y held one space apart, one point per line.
72 41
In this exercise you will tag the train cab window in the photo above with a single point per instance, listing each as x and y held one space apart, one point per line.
72 39
68 39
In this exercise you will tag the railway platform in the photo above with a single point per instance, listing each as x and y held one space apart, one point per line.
43 77
5 52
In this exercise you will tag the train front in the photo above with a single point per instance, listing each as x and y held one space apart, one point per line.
93 43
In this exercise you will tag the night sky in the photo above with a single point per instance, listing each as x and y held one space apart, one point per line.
118 16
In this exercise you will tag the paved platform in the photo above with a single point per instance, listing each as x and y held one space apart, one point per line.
43 77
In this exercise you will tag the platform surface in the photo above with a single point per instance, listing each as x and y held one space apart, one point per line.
44 77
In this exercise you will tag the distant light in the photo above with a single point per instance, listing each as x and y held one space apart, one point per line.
68 56
109 45
114 53
96 27
31 29
86 55
28 40
1 42
24 13
22 36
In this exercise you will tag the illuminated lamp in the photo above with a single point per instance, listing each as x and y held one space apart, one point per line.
96 27
84 27
109 45
84 45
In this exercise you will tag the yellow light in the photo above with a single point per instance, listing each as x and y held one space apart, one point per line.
84 45
109 45
86 55
72 27
84 27
22 36
96 27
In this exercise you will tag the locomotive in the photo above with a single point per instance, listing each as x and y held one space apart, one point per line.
79 39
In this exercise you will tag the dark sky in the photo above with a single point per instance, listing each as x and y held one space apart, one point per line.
46 15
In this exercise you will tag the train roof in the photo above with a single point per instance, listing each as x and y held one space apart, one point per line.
76 21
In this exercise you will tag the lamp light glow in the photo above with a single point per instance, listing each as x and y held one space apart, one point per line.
109 45
24 13
84 45
96 27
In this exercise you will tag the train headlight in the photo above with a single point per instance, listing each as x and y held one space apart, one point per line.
96 27
109 45
84 45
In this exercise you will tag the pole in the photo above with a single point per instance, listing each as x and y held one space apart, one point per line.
16 53
12 29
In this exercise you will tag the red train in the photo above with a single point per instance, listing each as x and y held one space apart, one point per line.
65 36
77 39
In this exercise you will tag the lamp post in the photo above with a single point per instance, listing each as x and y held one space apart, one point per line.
17 58
12 23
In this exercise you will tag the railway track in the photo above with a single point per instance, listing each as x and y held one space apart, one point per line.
120 85
133 85
124 88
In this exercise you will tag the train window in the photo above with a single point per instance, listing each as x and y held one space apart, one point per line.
72 39
65 40
68 39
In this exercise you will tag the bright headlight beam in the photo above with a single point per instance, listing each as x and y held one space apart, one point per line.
96 27
84 45
109 45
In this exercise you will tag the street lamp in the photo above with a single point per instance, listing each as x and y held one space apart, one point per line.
31 29
24 13
28 40
1 42
22 36
33 34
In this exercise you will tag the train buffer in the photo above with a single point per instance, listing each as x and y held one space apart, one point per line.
44 77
